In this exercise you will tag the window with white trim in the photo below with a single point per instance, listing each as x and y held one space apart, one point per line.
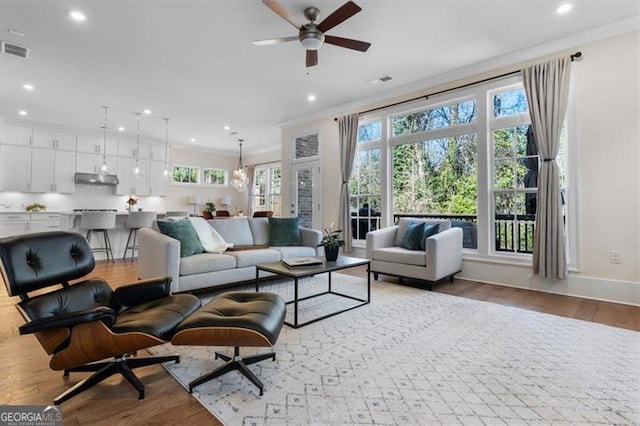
185 175
267 186
214 177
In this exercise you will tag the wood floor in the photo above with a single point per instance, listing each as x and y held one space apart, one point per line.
26 379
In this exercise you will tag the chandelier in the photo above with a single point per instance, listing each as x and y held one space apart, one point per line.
240 179
104 168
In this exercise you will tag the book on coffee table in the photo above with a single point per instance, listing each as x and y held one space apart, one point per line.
300 262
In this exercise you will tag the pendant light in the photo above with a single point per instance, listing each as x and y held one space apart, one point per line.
166 148
136 169
240 179
104 168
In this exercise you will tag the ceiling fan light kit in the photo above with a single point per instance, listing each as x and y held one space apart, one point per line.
312 36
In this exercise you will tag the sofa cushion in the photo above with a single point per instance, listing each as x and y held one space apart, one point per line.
206 262
406 221
429 230
284 231
254 257
233 230
412 236
260 230
183 231
296 251
400 255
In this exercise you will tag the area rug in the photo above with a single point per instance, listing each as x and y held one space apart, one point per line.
419 357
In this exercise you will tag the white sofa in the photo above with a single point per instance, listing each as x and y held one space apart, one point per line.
159 254
442 257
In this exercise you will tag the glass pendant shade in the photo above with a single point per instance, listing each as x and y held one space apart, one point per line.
165 173
136 169
240 179
104 168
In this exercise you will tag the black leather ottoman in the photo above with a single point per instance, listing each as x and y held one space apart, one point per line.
234 319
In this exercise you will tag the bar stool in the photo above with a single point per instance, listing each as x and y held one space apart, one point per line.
99 221
135 221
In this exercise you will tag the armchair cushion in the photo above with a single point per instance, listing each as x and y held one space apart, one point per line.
182 230
143 291
429 230
412 236
400 255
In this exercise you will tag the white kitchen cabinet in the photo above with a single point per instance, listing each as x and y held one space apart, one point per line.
96 145
13 224
16 168
52 171
91 163
55 140
127 148
156 152
44 222
157 179
131 183
15 135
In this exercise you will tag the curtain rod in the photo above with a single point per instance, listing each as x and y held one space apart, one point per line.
425 97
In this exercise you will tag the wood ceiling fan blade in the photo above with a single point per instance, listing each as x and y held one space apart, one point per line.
312 58
284 14
348 43
270 41
340 15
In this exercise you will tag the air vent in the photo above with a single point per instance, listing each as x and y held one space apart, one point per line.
15 50
382 79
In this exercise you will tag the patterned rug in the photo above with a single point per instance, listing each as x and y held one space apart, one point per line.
419 357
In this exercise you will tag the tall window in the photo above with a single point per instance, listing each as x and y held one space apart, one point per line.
267 185
365 185
469 158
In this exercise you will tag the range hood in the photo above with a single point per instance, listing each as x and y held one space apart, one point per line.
96 179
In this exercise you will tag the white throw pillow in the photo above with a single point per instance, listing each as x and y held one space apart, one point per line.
211 241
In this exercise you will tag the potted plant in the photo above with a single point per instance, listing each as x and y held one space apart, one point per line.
331 241
36 207
207 213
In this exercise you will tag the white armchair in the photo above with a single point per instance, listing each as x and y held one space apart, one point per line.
442 257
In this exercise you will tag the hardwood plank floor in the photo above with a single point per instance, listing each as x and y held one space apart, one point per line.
25 377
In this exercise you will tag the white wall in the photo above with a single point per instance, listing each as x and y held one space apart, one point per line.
607 120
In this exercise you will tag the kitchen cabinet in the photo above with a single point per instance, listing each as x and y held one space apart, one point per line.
55 140
52 171
157 152
91 163
27 223
15 135
16 168
127 148
157 179
131 183
95 145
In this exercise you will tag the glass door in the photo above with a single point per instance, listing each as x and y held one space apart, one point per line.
306 193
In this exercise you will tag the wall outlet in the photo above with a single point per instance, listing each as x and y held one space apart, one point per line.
615 256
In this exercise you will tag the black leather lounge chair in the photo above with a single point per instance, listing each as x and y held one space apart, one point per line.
87 326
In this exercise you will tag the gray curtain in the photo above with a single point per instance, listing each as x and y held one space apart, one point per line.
547 89
348 132
250 189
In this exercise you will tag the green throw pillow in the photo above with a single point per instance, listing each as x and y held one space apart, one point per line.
412 236
183 231
429 230
284 231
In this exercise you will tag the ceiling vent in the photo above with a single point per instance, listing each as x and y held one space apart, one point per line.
15 50
383 79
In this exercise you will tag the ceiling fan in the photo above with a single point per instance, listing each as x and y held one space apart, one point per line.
312 36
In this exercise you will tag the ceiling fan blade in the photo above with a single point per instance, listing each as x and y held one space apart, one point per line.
284 14
312 58
271 41
340 15
348 43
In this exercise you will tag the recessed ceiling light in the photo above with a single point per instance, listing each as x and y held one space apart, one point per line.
226 127
121 129
311 98
564 8
77 16
23 112
28 86
192 140
147 111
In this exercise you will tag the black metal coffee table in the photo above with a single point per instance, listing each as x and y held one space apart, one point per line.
296 273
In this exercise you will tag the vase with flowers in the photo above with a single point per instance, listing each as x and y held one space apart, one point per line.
131 202
331 241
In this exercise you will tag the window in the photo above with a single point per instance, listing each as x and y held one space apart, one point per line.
185 174
305 147
467 158
214 176
267 186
